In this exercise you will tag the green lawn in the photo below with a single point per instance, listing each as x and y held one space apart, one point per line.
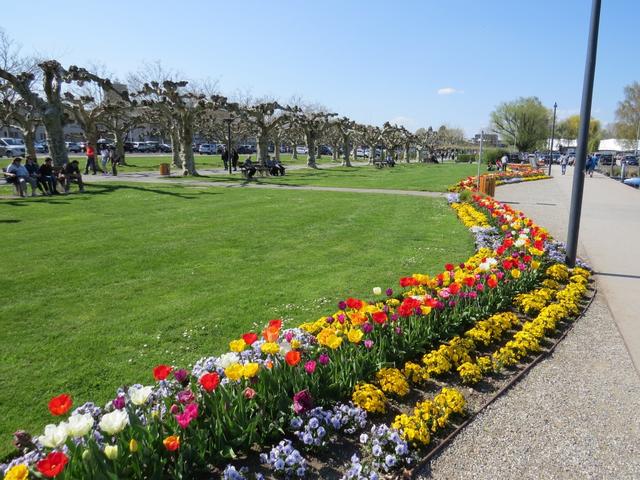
413 176
102 286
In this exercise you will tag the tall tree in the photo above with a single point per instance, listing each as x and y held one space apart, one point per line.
569 127
313 124
628 116
182 107
523 122
347 131
263 120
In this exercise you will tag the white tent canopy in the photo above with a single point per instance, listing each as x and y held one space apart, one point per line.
616 145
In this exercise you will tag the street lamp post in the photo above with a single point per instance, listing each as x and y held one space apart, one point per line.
583 136
229 155
553 134
480 158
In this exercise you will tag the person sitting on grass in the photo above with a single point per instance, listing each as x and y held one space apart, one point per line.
249 168
19 176
48 176
72 174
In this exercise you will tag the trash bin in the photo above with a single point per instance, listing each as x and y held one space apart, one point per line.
491 186
164 169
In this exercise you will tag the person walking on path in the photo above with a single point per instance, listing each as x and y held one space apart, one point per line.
115 161
225 159
234 159
91 160
563 163
592 163
104 158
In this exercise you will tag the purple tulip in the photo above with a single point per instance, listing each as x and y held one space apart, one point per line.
186 396
181 375
302 402
118 402
368 344
342 305
389 292
367 327
323 359
329 320
310 366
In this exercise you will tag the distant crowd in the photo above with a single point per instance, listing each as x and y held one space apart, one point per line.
50 180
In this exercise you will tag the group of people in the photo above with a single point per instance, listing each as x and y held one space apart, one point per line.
275 167
233 158
45 177
107 154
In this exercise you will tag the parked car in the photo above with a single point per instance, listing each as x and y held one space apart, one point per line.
361 152
606 159
514 158
164 148
73 147
12 147
630 160
302 150
208 149
41 147
246 149
153 147
129 147
140 147
324 150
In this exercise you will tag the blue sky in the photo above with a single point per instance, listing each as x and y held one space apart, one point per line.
370 60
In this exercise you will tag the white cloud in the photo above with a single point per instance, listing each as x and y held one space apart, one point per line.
448 91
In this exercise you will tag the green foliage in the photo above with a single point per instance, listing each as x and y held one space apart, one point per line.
569 127
628 115
167 274
467 158
524 122
490 155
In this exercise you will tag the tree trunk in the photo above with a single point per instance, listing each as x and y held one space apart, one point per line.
311 146
406 153
30 140
52 120
372 153
263 147
186 140
276 148
175 148
347 150
334 152
418 152
294 151
119 136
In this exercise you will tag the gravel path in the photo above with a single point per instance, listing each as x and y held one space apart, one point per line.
574 416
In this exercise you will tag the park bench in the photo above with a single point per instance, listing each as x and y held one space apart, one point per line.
263 170
379 163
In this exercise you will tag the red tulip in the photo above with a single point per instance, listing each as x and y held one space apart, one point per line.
161 372
60 405
53 464
249 338
209 381
292 358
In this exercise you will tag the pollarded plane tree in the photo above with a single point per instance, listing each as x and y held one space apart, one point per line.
333 138
214 124
291 134
347 131
313 124
393 138
371 136
263 120
182 107
119 118
17 113
427 140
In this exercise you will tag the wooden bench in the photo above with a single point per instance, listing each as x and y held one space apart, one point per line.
381 164
263 170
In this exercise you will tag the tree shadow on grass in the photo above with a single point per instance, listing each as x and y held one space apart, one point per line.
105 189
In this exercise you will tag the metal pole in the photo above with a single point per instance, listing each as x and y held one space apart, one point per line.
480 158
583 136
229 154
553 134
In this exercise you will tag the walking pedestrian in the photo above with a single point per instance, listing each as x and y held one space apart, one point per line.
104 158
91 160
234 159
563 163
592 163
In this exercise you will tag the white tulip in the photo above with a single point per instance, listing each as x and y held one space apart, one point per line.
80 425
111 451
377 291
139 396
114 422
54 435
228 359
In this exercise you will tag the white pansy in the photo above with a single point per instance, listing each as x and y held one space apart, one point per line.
520 242
525 230
377 291
140 395
484 267
228 359
114 422
54 435
80 425
285 347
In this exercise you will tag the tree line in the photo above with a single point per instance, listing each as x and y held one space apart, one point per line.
38 92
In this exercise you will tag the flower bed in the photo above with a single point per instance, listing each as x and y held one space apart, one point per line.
522 174
288 381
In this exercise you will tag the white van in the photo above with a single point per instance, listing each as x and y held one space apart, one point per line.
208 148
12 147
